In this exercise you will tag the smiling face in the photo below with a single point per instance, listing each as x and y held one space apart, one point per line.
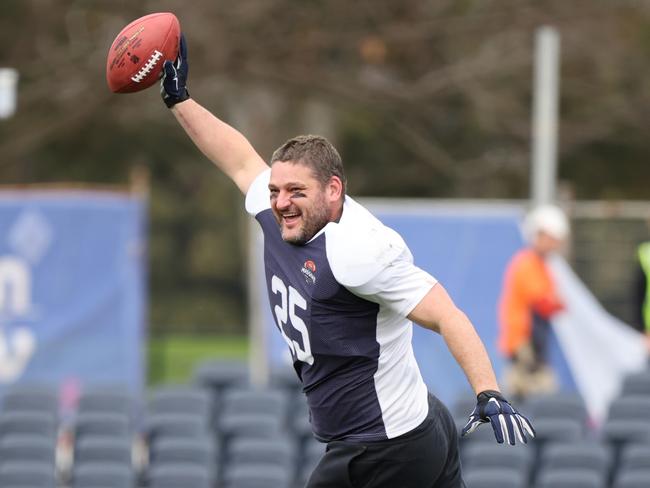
302 205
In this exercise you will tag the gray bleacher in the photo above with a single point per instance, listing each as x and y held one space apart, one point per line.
218 431
568 451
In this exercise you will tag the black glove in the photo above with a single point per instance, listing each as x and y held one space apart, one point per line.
506 421
172 85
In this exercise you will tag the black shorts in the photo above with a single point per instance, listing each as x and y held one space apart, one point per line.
426 457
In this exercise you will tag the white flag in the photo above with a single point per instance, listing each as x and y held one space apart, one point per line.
599 348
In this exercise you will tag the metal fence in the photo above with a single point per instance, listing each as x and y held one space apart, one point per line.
605 236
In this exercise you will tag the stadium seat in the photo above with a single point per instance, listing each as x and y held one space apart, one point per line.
486 454
92 448
250 400
312 452
299 420
201 450
31 398
27 474
589 456
182 399
635 457
558 429
565 405
462 407
249 425
257 476
494 477
164 425
285 378
280 451
218 375
622 431
103 475
28 447
635 478
627 420
636 384
179 475
102 424
569 478
36 423
106 399
630 407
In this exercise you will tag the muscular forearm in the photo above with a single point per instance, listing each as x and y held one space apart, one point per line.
226 147
466 346
437 311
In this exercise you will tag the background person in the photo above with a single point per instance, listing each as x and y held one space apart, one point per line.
527 302
642 289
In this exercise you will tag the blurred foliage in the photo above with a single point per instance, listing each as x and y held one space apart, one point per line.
424 98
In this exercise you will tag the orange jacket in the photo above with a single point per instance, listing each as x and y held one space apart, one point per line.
527 288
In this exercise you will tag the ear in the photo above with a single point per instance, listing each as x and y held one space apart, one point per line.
334 189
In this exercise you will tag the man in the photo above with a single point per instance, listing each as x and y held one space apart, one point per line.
642 290
343 290
528 301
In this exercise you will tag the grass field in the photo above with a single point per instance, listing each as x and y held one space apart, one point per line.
172 358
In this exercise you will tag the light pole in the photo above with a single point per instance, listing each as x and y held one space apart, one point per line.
545 116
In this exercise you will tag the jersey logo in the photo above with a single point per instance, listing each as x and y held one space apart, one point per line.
309 272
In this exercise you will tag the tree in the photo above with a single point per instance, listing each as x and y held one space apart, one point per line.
440 90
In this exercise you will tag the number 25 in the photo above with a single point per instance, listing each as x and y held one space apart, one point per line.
286 312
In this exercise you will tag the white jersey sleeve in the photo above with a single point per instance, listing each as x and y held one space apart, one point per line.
399 286
373 261
257 197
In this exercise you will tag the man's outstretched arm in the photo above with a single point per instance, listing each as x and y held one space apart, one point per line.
437 311
226 147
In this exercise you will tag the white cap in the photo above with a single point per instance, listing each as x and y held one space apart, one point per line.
546 218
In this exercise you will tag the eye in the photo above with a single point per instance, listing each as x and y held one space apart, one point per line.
273 193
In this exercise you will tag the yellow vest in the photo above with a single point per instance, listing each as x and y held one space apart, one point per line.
644 259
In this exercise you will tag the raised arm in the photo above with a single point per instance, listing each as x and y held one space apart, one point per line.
226 147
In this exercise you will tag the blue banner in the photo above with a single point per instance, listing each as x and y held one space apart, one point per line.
467 249
72 289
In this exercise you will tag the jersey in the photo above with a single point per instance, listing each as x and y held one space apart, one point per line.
340 301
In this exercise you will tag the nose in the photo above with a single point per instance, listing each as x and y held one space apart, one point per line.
283 200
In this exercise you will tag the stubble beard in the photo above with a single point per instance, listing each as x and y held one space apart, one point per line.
313 220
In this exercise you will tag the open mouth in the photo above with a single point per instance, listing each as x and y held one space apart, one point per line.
290 219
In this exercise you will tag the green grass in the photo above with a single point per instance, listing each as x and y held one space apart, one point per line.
172 358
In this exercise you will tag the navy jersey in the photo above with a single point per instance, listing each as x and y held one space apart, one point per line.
340 302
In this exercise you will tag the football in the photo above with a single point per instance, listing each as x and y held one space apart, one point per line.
137 54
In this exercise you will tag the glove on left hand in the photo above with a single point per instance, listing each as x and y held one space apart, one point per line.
173 87
506 421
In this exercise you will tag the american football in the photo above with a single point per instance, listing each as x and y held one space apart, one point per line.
137 54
